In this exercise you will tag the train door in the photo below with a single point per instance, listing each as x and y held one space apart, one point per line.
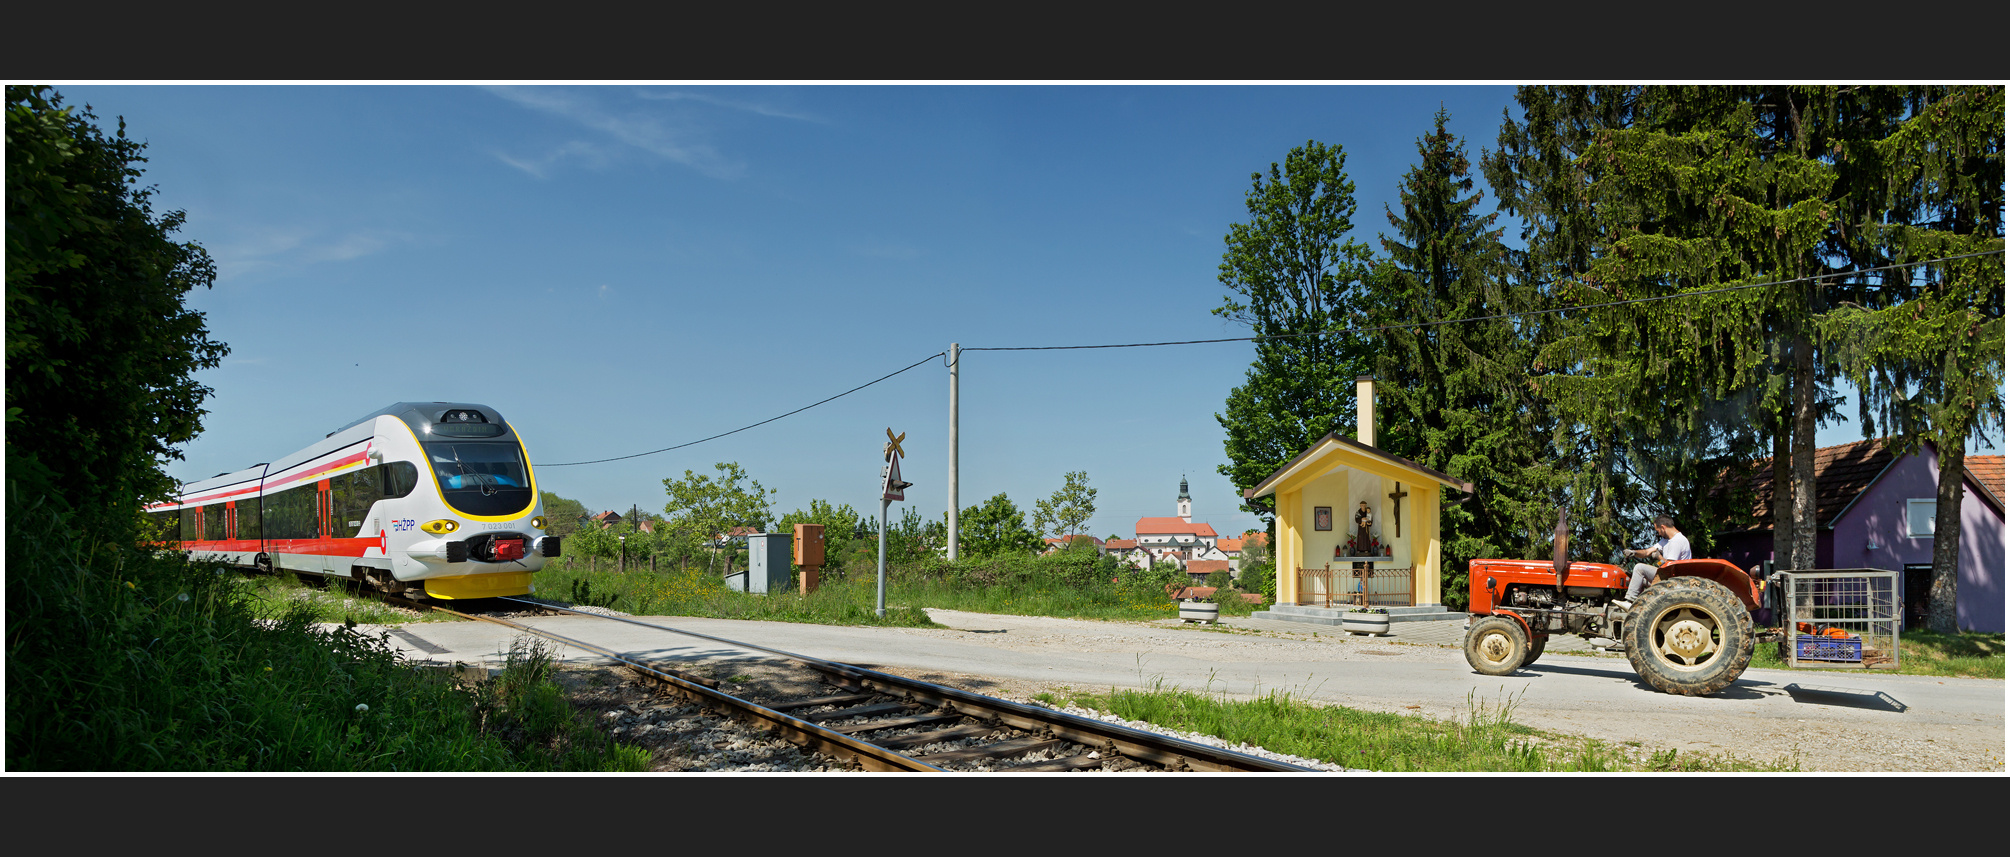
229 519
321 504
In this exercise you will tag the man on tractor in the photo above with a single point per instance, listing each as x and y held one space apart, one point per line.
1671 547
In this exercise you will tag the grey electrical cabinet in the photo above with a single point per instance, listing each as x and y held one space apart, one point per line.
767 564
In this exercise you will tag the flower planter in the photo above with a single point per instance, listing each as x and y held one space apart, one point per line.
1200 611
1376 624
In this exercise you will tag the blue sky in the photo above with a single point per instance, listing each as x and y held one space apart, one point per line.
623 268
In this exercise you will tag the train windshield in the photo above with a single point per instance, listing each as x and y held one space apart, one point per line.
481 478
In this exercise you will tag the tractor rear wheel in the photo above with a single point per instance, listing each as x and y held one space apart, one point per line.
1689 636
1496 645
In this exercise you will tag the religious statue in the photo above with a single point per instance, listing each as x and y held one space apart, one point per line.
1363 520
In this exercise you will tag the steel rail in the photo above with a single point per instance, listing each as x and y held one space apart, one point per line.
1133 743
810 735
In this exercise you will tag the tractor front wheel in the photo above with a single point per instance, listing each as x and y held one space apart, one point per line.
1689 636
1535 648
1496 645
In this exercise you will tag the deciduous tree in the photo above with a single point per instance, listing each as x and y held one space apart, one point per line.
101 349
1293 273
703 506
1069 509
995 527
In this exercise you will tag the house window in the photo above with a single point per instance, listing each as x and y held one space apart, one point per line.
1919 518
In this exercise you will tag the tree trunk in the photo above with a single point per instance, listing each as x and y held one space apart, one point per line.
1782 498
1941 615
1804 453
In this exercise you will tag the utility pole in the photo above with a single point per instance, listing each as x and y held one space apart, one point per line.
955 364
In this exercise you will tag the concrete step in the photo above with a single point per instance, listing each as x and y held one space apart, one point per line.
1331 615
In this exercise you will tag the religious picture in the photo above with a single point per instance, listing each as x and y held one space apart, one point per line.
1322 517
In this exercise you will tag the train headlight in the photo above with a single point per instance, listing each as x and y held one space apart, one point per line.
537 523
440 527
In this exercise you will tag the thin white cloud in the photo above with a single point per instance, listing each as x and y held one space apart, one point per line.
295 246
656 134
746 106
540 167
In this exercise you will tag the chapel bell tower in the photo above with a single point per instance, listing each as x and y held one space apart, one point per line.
1185 501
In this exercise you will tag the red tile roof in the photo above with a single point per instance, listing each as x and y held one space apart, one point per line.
1229 545
1165 526
1204 566
1121 544
1987 470
1843 472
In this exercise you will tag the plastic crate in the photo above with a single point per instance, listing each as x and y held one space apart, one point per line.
1808 647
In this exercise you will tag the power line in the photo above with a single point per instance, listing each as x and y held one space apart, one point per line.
761 423
1354 330
1423 324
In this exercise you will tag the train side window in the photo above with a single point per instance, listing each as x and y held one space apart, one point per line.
212 522
189 530
352 495
400 477
248 523
168 524
293 513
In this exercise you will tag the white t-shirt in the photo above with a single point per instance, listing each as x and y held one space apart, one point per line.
1673 548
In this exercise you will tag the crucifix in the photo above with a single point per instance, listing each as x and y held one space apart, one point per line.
1396 499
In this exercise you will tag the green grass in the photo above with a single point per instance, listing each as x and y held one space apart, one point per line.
1070 588
700 593
1488 739
337 601
1964 655
124 660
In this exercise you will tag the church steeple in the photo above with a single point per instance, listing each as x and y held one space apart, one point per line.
1185 501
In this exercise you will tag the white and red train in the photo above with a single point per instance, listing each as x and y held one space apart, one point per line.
431 496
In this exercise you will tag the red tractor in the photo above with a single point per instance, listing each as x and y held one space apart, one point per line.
1688 633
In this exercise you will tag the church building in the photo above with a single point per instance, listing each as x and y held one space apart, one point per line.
1175 539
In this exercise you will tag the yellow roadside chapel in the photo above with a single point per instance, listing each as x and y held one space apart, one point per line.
1355 525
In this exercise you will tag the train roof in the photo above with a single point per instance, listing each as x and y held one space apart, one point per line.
422 415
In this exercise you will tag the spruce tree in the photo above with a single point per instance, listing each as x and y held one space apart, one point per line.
1455 397
1923 167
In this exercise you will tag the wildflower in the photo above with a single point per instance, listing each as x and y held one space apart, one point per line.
129 585
362 709
181 597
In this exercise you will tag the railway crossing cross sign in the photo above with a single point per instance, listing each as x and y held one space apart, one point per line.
890 485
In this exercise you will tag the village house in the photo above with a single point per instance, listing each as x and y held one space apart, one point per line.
1875 508
1059 544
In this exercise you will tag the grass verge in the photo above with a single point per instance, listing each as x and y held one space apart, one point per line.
1064 587
1488 739
120 659
1964 655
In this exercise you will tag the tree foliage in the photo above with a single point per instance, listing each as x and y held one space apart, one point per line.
995 527
1634 192
1068 510
703 506
1293 272
562 515
1925 345
101 349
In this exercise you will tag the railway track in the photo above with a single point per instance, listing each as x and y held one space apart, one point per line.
883 722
